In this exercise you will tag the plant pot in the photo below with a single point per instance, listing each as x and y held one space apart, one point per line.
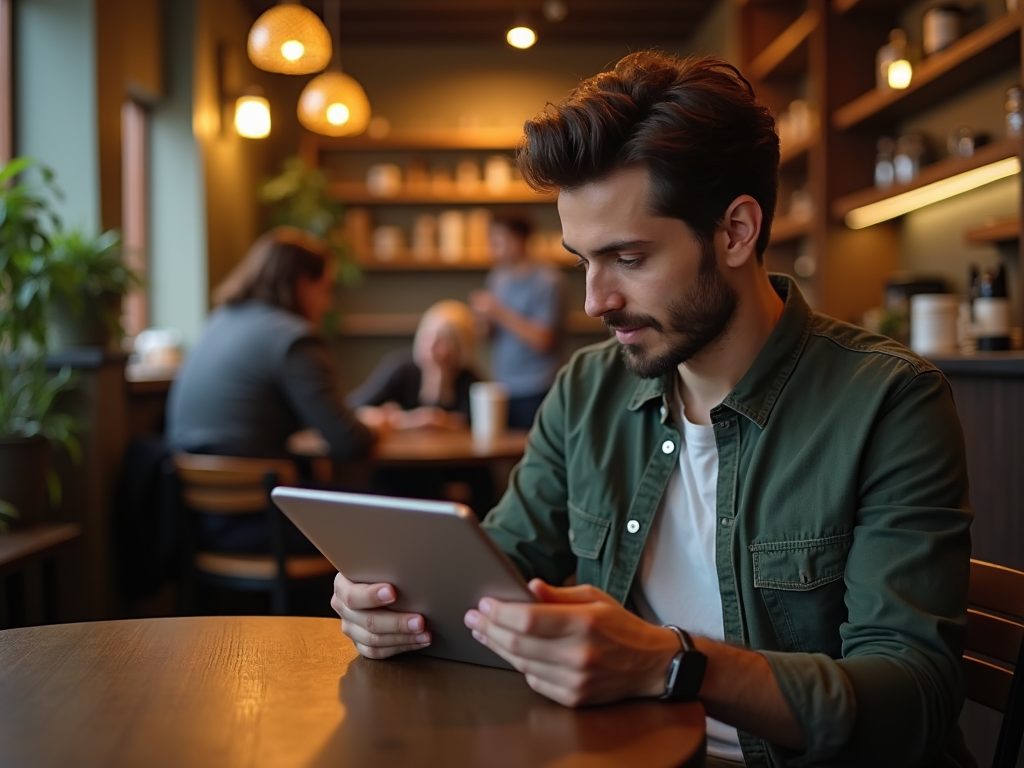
24 466
85 325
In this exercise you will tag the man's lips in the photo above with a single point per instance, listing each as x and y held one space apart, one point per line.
629 335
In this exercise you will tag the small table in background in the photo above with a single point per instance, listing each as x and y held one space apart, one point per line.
30 551
221 692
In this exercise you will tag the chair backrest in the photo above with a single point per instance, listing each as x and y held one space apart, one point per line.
993 661
228 485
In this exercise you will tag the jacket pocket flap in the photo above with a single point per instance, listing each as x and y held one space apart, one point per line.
800 565
586 533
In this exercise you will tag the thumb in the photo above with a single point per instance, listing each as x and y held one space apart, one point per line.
584 593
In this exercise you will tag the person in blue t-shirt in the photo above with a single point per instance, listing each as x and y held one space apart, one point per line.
521 309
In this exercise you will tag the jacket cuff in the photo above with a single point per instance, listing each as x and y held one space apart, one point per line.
822 699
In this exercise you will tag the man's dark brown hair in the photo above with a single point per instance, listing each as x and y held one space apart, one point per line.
270 269
694 123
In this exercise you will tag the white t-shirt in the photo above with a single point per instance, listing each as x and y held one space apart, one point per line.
678 579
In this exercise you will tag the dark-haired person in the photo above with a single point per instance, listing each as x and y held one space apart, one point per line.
262 371
521 308
786 490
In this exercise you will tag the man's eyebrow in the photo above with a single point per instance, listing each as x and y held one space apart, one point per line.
618 245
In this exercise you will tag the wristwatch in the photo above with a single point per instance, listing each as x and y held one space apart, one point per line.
686 672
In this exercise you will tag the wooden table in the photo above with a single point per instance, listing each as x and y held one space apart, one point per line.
25 549
446 447
285 691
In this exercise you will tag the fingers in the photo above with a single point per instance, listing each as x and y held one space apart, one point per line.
362 597
381 640
546 620
382 652
584 593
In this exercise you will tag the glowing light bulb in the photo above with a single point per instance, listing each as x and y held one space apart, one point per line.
337 114
292 50
252 117
521 37
900 74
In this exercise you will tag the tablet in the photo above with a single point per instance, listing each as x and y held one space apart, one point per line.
436 555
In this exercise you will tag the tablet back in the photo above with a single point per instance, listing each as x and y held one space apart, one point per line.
434 553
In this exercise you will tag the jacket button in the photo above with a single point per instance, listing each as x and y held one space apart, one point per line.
726 521
632 526
664 410
572 535
668 446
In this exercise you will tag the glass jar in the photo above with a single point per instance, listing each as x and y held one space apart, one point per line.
1014 115
885 174
906 161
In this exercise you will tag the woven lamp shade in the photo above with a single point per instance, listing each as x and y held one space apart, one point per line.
334 104
289 39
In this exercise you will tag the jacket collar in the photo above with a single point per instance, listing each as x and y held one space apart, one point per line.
755 394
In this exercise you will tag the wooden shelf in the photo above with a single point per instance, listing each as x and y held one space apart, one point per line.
391 324
474 263
788 228
450 140
975 56
943 169
786 55
872 6
794 155
356 193
995 231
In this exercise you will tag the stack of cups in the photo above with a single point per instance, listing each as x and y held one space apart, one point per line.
933 323
488 410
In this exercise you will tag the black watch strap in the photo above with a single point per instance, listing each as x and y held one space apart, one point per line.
686 671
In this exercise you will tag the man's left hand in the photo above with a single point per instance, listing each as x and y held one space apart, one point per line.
576 645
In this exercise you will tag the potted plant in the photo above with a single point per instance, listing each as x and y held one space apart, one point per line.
298 197
88 280
29 419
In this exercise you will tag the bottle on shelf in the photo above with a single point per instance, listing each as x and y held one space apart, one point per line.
991 310
885 174
1014 114
888 73
907 158
941 26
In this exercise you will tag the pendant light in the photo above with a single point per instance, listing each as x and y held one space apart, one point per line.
289 39
332 103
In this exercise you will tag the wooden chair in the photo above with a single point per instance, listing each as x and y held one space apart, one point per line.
993 661
223 485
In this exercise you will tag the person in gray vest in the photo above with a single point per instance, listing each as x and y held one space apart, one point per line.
521 310
262 371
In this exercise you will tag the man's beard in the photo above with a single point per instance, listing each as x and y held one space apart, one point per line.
694 321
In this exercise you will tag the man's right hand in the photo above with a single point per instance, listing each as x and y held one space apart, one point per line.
377 631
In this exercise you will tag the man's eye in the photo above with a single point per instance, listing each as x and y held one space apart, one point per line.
581 264
629 262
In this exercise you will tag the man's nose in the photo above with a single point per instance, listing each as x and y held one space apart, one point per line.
602 294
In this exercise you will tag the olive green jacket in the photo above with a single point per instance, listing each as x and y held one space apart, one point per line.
843 547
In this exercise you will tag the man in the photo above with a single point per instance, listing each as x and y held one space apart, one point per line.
521 310
787 490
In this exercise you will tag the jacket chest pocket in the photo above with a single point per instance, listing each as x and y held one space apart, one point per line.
587 537
802 588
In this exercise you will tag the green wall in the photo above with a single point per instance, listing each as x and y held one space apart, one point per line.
55 99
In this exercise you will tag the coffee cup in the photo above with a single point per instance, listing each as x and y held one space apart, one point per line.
488 409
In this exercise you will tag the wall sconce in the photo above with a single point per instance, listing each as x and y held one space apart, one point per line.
252 115
521 37
289 39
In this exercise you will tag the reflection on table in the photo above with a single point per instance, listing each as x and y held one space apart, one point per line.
285 691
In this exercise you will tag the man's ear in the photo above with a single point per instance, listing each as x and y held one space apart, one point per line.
740 229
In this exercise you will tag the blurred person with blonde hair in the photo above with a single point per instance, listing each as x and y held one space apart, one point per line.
427 386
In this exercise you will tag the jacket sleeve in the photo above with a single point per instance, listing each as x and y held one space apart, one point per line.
309 386
530 523
896 691
383 385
